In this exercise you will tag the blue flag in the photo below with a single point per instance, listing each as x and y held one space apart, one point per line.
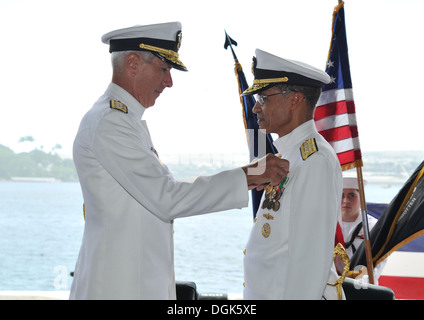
255 137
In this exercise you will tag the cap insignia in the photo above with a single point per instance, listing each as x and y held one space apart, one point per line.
179 38
254 62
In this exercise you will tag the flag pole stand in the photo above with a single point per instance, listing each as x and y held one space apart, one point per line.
367 241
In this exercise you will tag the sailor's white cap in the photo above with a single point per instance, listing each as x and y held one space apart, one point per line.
270 70
350 182
163 40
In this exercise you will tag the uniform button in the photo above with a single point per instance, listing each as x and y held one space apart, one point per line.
244 251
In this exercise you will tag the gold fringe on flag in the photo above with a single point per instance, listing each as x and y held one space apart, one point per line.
238 68
336 10
352 165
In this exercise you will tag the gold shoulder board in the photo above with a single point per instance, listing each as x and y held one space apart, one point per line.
118 105
308 148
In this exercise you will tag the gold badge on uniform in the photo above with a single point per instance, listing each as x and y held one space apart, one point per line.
308 148
268 216
118 105
266 230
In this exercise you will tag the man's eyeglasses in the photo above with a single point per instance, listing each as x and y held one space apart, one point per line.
261 98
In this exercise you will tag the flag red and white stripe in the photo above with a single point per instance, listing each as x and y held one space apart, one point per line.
335 116
335 120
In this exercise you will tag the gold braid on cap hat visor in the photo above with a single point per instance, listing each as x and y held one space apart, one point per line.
262 83
167 54
268 81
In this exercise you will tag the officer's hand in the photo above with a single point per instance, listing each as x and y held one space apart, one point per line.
269 169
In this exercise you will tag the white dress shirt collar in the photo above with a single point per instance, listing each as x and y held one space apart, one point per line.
296 137
116 92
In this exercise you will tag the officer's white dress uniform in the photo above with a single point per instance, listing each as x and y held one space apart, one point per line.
289 253
131 200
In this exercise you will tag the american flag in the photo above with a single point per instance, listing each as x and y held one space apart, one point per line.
335 116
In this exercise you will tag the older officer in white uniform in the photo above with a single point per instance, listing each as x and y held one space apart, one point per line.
289 253
130 197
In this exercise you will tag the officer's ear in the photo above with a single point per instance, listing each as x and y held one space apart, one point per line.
132 63
296 99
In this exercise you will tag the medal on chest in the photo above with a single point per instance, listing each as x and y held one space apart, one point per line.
272 201
266 230
273 195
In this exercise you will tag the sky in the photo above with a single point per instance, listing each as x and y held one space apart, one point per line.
54 67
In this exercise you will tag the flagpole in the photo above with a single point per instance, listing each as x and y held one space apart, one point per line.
237 66
367 241
347 162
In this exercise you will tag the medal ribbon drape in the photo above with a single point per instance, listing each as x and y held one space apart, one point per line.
335 116
253 134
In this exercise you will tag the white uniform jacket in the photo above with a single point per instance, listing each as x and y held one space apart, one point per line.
131 200
348 229
289 253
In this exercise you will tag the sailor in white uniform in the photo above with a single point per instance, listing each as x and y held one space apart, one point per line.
350 222
289 253
131 198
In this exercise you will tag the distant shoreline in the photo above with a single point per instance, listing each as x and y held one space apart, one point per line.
34 179
383 168
384 181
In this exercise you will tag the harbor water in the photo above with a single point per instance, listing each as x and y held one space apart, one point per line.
41 227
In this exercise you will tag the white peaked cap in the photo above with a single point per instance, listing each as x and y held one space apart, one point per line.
164 31
269 70
163 40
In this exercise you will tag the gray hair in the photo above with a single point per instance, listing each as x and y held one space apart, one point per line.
118 58
311 94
